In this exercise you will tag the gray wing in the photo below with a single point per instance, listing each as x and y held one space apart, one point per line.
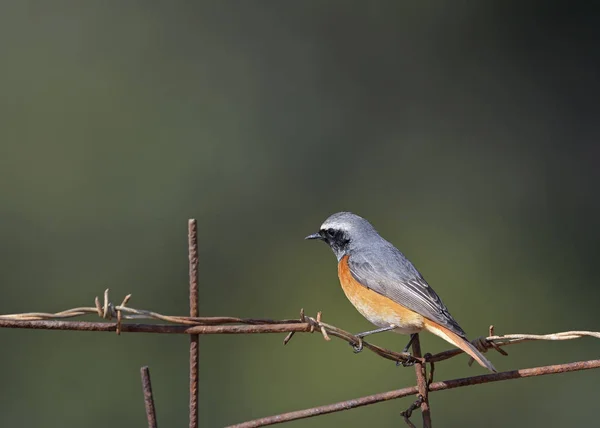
387 272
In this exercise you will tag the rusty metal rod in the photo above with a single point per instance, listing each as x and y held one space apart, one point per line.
194 338
277 327
437 386
148 398
421 372
155 328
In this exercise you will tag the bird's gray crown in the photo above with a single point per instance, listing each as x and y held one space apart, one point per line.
352 224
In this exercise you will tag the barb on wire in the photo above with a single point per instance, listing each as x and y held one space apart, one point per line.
219 325
330 330
195 325
494 342
190 325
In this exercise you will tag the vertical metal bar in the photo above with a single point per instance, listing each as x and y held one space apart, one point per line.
148 398
194 355
420 370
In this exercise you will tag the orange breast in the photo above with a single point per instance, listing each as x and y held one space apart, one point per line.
378 309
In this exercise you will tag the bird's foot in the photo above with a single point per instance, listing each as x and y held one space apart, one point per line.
357 347
408 362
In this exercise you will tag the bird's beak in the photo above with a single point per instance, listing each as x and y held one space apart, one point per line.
314 236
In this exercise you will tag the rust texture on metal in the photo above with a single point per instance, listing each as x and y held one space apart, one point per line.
148 397
408 412
421 372
436 386
194 338
155 328
194 325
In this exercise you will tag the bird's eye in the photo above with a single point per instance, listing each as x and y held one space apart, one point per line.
330 233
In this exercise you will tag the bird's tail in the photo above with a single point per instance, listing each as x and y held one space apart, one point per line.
459 342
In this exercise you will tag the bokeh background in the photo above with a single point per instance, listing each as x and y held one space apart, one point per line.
467 132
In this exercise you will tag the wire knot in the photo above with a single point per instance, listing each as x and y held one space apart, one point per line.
313 324
481 343
316 324
109 311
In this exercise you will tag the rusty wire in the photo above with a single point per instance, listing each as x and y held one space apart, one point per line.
194 338
220 325
422 386
406 414
412 390
223 325
195 326
148 397
185 325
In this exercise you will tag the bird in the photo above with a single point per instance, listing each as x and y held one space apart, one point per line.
385 287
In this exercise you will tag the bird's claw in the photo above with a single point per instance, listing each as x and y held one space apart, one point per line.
357 347
409 362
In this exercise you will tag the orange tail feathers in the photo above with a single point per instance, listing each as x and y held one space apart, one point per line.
459 342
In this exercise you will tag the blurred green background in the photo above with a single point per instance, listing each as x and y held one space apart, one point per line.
465 131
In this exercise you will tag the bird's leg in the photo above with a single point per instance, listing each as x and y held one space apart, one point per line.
359 347
407 347
379 330
405 350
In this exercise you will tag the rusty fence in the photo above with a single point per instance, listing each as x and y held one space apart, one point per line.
194 326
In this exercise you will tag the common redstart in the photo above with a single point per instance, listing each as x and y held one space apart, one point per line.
384 285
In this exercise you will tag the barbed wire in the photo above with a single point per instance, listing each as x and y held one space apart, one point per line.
234 325
194 326
220 325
